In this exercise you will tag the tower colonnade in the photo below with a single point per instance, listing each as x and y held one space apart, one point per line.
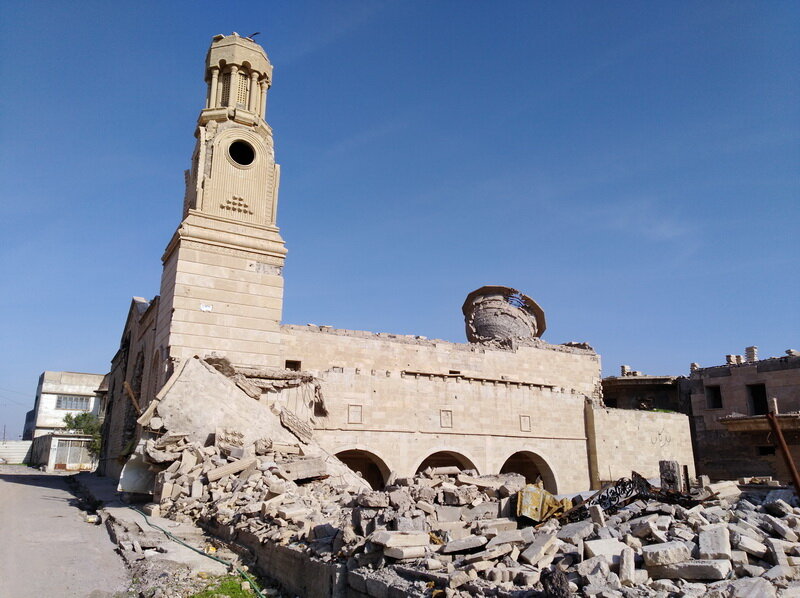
237 78
237 87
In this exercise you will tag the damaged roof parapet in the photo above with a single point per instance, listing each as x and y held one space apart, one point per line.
580 348
255 381
502 315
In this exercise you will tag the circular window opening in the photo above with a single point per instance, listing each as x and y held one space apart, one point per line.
242 152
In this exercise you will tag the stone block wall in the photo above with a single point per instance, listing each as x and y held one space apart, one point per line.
622 440
402 399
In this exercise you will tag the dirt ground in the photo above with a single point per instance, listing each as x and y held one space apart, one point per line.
46 546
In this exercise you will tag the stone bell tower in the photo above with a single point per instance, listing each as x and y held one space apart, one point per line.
222 284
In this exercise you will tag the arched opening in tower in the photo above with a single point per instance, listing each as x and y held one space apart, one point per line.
533 467
370 466
446 459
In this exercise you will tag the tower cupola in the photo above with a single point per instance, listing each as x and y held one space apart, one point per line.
238 74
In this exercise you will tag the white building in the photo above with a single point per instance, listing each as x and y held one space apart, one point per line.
59 394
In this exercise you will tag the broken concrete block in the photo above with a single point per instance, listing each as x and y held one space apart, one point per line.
779 572
574 532
739 557
714 542
490 554
536 551
293 512
393 539
627 567
665 554
645 529
751 546
426 507
750 587
783 530
230 469
188 461
597 514
433 564
777 502
492 527
612 549
704 570
664 585
464 544
458 579
197 489
456 529
373 499
448 513
304 469
727 490
405 552
487 510
512 536
633 542
588 566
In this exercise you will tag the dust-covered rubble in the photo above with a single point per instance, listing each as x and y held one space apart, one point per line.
260 480
454 530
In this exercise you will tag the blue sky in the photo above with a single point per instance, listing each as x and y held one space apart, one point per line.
631 166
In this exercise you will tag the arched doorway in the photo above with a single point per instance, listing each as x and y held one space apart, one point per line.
532 466
446 459
370 466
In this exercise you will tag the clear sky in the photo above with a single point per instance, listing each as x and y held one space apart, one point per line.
631 166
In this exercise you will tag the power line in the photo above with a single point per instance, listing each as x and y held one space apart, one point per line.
16 392
2 398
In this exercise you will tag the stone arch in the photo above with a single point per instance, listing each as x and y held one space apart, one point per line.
371 467
532 466
445 458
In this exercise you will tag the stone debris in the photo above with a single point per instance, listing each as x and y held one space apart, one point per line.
453 531
443 529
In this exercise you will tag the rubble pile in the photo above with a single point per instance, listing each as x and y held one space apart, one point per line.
277 492
445 528
260 478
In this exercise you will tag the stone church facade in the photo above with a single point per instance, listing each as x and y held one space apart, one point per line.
504 401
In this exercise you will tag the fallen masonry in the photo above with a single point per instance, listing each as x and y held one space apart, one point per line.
381 543
307 521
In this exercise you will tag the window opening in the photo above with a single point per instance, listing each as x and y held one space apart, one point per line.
72 402
713 397
226 88
293 365
241 96
242 152
758 399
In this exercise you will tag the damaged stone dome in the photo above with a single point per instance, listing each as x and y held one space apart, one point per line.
501 314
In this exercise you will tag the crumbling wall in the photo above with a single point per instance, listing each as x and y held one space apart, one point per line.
723 454
137 348
404 399
622 440
320 348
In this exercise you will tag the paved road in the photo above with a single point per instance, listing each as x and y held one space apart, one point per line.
47 550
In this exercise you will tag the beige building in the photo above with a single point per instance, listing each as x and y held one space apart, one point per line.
729 401
504 401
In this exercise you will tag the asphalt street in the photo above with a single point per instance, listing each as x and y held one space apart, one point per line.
46 547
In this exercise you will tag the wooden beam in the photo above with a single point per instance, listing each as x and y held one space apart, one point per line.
132 397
